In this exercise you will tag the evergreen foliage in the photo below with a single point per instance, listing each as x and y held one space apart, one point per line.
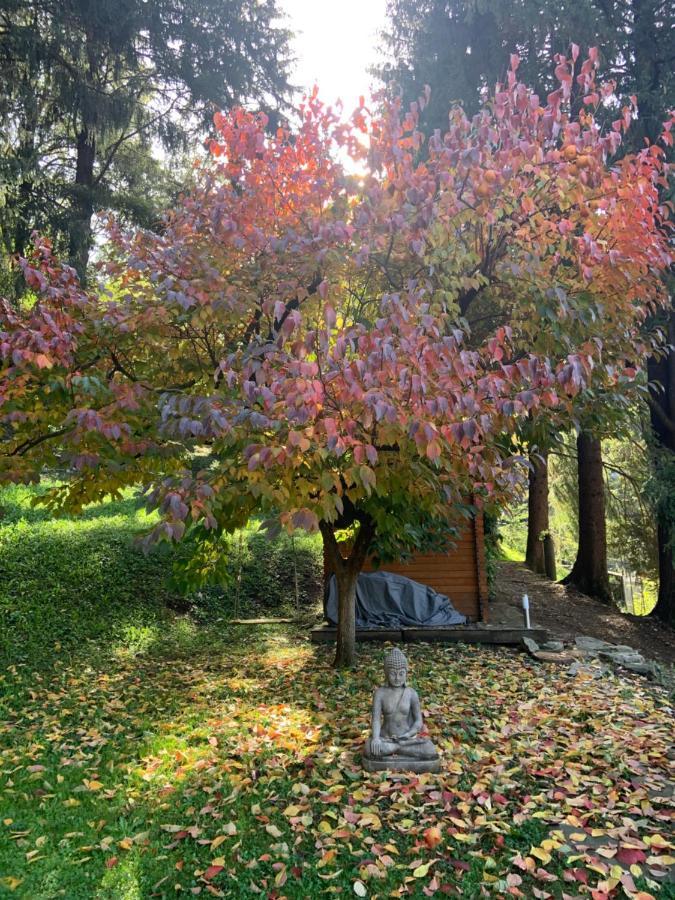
461 48
90 90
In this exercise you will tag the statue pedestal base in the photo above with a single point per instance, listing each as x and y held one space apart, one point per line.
400 764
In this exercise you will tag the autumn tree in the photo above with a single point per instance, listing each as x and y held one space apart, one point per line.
461 48
312 327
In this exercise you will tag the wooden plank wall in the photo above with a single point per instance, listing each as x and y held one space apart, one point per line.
460 573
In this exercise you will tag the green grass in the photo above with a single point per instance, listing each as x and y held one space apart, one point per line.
67 582
150 753
510 554
71 581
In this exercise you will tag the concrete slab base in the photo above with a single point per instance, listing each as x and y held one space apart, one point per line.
417 766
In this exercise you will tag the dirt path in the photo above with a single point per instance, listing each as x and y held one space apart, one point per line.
565 613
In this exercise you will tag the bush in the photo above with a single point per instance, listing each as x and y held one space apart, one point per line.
262 576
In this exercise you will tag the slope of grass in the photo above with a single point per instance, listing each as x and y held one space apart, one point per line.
71 581
66 582
510 554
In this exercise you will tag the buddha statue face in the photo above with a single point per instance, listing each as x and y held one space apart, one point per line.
395 668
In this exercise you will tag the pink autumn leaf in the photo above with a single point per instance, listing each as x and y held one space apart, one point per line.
306 519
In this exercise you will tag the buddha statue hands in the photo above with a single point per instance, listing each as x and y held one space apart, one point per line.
395 742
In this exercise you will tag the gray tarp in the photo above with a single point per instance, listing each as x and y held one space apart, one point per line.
384 600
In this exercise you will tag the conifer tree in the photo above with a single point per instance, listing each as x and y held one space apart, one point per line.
88 90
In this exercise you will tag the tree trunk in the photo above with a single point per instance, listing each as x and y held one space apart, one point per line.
665 604
79 229
537 512
345 651
22 235
549 557
661 372
650 69
346 572
589 573
25 213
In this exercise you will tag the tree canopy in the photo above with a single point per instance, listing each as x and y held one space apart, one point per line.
317 331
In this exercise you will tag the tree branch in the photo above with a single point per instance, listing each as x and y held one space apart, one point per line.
28 445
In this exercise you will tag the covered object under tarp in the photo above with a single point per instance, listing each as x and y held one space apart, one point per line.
385 600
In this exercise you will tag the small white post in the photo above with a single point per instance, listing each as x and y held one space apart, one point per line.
526 610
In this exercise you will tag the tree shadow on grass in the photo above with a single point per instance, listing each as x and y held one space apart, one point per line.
103 755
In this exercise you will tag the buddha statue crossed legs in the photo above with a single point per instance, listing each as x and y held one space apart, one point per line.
396 722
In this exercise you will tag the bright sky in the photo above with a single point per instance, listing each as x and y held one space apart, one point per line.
335 43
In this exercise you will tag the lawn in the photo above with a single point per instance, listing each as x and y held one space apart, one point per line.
161 755
69 582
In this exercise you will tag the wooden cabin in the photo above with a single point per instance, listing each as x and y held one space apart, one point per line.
460 573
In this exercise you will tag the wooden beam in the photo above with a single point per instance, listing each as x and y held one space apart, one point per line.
466 634
260 621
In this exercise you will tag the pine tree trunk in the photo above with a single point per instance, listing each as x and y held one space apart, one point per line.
25 218
661 372
549 557
22 235
79 229
589 573
650 70
537 512
665 604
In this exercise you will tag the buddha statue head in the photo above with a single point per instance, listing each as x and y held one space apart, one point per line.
395 668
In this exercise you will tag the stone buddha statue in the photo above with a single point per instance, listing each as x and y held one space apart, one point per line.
394 743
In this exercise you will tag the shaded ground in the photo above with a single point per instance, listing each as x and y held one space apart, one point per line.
566 613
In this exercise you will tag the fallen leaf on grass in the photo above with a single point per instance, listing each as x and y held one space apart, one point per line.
423 870
212 871
93 785
573 770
